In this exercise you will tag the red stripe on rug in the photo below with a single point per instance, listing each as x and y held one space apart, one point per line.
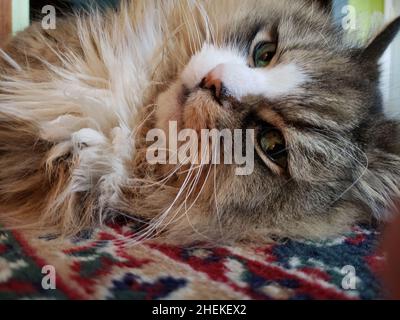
17 286
216 272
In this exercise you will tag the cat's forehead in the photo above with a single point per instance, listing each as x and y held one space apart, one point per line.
293 24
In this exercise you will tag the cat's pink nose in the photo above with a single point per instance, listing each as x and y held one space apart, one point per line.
212 83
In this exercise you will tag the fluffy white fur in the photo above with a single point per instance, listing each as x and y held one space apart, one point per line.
227 65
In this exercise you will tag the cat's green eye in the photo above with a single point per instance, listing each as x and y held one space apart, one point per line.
273 145
263 54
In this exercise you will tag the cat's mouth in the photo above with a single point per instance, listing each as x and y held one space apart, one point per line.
184 95
199 109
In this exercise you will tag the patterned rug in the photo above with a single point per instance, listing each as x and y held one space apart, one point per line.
98 267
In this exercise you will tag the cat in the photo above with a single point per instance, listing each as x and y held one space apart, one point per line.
77 104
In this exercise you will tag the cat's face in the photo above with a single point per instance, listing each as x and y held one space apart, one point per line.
312 103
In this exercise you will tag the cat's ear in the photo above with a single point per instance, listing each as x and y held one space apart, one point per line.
378 45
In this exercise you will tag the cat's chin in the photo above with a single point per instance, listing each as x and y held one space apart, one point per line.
169 107
190 109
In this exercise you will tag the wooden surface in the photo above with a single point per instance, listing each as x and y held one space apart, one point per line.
5 20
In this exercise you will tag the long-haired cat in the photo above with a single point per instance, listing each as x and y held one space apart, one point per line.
77 103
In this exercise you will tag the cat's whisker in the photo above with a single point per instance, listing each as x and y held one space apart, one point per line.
198 174
161 218
184 203
216 201
187 210
154 224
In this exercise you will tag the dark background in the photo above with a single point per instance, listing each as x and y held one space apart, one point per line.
37 5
